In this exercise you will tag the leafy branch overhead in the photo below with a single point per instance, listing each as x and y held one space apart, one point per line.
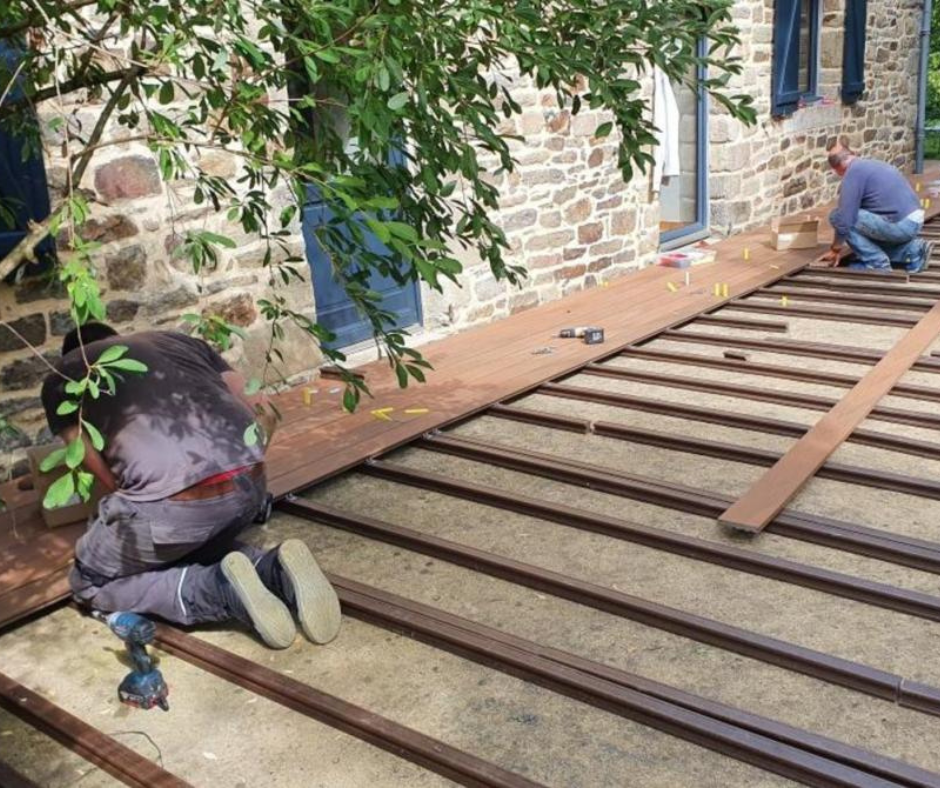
392 113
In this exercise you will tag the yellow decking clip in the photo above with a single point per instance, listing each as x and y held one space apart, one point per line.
672 287
784 301
308 397
725 291
717 290
747 253
776 267
382 413
917 186
416 411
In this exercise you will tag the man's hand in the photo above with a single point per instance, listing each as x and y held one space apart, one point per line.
831 258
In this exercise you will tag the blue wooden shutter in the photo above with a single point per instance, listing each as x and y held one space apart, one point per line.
853 50
785 96
23 186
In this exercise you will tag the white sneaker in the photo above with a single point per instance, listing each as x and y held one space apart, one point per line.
269 615
317 604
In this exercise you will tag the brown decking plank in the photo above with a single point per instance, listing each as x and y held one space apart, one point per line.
473 390
80 737
771 493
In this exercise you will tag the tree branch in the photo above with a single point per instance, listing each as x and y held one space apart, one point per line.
38 231
68 86
37 19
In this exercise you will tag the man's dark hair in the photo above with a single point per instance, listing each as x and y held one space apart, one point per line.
90 332
839 153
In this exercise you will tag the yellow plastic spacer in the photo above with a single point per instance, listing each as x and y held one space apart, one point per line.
784 301
717 290
747 253
308 397
672 287
414 411
725 290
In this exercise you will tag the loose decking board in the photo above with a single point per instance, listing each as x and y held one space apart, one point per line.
472 370
773 490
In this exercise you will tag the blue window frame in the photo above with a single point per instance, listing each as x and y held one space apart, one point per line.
853 50
796 55
23 189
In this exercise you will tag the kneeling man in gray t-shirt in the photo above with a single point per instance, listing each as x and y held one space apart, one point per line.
182 484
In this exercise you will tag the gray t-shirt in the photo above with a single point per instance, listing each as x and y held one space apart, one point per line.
166 429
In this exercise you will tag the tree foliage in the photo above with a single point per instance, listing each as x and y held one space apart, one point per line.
390 111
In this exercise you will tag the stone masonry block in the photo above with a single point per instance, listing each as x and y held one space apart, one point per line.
127 268
31 327
130 177
590 233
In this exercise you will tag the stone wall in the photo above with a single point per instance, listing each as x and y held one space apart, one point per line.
778 167
568 216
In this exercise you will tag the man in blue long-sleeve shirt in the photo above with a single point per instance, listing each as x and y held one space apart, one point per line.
879 215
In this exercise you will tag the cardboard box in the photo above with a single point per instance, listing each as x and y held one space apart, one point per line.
64 515
794 232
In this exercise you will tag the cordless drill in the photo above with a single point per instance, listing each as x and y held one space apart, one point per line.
144 686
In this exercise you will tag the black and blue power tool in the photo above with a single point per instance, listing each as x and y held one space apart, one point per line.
144 686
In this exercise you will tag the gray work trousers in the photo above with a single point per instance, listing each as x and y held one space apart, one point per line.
162 557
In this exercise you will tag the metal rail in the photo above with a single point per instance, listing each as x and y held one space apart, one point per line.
766 743
77 735
733 452
881 302
840 316
741 323
850 537
775 371
789 398
10 778
790 656
433 754
727 418
791 347
909 290
836 583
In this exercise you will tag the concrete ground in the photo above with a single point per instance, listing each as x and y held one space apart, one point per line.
219 734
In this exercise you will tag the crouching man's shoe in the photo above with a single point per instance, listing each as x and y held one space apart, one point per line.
254 604
313 597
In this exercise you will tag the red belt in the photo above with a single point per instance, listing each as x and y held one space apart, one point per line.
218 484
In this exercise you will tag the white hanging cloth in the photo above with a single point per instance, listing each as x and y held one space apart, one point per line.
666 121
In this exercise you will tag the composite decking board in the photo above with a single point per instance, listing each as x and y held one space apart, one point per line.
773 490
467 391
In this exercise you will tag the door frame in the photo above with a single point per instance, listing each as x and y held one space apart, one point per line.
700 228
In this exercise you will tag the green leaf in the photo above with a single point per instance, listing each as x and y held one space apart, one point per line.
604 129
398 101
166 93
66 407
96 438
252 387
402 230
86 482
251 434
60 493
75 453
52 460
129 365
112 353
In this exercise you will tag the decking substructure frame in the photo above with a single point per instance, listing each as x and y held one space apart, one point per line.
782 749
